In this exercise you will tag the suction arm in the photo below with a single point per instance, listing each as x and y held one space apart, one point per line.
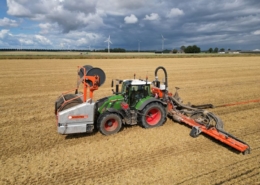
165 74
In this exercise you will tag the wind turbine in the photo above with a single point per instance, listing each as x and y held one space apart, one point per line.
21 45
108 43
139 45
163 43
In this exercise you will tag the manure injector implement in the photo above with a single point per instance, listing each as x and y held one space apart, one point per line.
137 102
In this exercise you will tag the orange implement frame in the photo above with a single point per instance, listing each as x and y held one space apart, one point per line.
86 86
90 83
158 92
217 134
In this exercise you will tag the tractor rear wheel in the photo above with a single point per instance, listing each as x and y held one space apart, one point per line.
153 115
60 105
109 123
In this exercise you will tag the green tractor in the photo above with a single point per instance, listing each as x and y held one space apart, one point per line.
134 104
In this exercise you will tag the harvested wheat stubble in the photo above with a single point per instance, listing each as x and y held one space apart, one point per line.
33 153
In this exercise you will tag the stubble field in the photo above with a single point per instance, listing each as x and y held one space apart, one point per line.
32 152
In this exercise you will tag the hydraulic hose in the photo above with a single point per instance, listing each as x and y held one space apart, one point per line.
219 123
182 105
165 74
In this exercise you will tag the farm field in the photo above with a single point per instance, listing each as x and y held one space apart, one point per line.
103 55
32 152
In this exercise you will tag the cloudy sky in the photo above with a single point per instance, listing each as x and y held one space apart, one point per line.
62 24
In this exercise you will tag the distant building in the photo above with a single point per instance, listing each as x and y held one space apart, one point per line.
233 52
180 51
256 51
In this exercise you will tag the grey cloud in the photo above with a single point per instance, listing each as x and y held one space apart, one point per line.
201 22
86 6
132 5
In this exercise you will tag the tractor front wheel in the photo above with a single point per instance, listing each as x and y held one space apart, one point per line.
109 123
153 115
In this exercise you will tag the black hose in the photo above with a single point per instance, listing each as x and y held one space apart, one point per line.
182 105
219 123
165 74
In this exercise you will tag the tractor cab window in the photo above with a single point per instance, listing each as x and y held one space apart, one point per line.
125 88
138 92
134 93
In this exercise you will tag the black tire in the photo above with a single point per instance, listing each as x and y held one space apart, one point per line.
153 115
109 123
60 102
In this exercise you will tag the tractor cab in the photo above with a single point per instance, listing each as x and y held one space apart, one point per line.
134 90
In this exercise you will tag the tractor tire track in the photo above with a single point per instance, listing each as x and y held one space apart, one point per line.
117 165
233 110
57 141
243 163
95 171
241 173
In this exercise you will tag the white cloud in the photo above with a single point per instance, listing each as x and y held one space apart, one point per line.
5 22
152 17
17 9
42 40
131 19
257 32
82 42
49 28
3 33
175 12
26 41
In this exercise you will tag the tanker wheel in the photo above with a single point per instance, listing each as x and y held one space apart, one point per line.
109 123
60 102
153 115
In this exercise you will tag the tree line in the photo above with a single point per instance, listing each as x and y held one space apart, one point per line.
216 50
196 49
188 49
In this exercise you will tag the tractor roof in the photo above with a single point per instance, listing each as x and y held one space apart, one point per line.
137 82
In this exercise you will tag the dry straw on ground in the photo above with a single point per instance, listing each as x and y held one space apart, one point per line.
31 151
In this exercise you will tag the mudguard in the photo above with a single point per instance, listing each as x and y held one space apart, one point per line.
112 110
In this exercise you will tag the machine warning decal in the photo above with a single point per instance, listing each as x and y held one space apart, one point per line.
78 117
